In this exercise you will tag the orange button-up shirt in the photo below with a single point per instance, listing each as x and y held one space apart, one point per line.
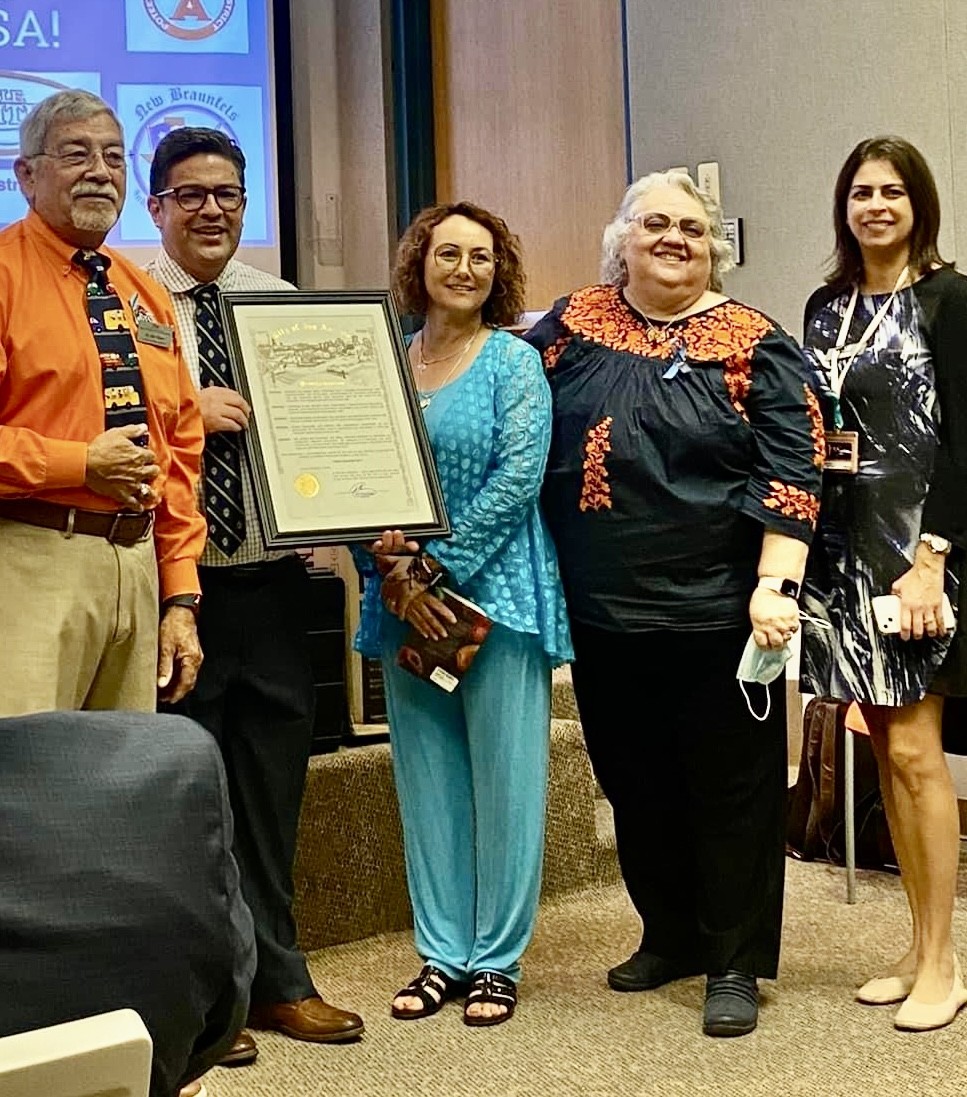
52 394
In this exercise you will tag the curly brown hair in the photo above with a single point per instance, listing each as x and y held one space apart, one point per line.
506 301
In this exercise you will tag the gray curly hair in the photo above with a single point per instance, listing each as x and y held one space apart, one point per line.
613 269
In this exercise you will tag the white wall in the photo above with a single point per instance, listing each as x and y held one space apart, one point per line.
779 92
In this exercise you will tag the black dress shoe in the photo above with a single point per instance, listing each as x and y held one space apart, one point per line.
646 971
731 1004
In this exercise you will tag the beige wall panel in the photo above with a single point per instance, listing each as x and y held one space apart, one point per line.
778 92
955 218
316 129
340 144
363 201
530 123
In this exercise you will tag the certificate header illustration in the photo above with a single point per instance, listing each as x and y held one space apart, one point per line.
160 64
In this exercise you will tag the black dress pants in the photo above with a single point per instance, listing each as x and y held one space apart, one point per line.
698 789
255 695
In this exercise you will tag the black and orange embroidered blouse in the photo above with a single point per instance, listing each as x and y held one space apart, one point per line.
672 447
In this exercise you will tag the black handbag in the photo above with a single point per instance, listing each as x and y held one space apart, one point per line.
816 819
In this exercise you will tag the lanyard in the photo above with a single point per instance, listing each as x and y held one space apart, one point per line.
838 370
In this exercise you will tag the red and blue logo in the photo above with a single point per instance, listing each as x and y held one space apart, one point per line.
151 133
190 19
187 26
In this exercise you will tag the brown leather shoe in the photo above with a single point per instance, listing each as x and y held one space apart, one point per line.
243 1051
310 1019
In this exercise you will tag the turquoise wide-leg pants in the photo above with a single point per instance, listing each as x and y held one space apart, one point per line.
471 777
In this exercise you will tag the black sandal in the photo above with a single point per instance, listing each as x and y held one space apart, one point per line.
432 986
493 988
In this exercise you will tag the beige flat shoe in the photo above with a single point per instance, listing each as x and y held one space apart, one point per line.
914 1016
884 990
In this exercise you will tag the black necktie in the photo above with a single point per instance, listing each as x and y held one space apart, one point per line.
223 459
120 372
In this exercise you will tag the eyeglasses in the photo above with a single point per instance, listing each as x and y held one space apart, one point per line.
192 197
657 224
113 158
448 257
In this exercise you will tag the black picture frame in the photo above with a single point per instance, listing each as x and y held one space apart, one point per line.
328 379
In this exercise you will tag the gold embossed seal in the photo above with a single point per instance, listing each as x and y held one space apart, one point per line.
307 485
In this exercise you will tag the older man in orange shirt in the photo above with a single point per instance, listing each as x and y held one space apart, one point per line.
98 522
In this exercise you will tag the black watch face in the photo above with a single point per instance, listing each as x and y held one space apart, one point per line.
789 588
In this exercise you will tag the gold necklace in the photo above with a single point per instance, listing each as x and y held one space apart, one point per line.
424 362
426 398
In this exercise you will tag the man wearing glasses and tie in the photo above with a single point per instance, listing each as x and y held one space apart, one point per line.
255 692
100 438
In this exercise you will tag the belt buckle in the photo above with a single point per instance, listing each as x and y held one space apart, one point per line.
111 535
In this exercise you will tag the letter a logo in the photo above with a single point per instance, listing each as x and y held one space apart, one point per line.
190 9
190 19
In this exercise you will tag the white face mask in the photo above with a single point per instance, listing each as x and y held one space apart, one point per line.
761 666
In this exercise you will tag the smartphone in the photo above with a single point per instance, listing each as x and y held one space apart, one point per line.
886 610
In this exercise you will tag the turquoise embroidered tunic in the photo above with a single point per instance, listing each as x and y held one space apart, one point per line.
490 431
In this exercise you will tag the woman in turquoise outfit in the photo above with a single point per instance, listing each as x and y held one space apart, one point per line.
471 766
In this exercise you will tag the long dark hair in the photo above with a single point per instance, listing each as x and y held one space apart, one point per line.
846 262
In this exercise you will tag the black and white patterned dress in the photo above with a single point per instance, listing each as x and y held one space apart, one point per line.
905 396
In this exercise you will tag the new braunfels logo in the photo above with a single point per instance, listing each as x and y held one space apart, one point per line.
160 113
189 19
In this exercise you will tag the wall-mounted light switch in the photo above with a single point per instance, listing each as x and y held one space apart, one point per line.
708 180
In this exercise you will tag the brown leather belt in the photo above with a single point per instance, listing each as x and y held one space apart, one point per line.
118 527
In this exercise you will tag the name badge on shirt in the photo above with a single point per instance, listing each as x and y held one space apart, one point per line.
842 451
154 334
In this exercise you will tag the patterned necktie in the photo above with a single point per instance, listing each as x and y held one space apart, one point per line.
120 372
224 508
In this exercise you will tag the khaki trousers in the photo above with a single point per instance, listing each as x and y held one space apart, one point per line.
78 622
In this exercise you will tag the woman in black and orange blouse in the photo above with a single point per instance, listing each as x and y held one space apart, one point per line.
681 491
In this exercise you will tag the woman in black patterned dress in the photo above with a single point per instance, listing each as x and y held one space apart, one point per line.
889 333
681 491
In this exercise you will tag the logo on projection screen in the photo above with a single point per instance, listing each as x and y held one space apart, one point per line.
20 92
189 19
151 111
160 125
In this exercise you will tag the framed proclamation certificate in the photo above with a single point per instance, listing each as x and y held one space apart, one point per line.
336 441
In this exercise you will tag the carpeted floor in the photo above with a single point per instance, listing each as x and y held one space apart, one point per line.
572 1035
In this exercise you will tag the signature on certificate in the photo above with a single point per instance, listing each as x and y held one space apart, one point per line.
362 491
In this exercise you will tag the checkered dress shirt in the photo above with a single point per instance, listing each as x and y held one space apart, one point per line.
179 283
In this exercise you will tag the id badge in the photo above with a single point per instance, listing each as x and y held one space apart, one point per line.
842 451
154 334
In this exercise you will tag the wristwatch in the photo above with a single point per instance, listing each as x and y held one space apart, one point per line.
788 587
426 570
188 601
938 545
